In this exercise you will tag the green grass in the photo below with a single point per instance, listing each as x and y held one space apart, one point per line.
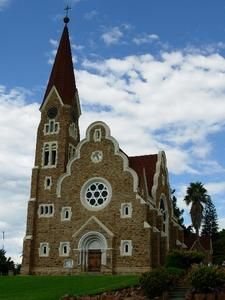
54 287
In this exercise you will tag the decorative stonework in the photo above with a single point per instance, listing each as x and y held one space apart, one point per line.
96 156
96 194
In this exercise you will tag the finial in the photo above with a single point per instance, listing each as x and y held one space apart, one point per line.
67 19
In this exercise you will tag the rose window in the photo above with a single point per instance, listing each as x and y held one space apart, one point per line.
96 194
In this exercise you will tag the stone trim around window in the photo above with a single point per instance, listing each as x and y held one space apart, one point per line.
64 248
73 131
44 249
126 248
49 154
52 127
96 193
66 213
97 135
48 183
126 210
46 210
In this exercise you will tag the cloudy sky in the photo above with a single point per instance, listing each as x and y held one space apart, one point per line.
154 71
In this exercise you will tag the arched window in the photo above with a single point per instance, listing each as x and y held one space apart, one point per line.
97 135
46 210
73 131
52 127
44 249
48 183
50 154
164 214
126 248
126 210
66 214
64 249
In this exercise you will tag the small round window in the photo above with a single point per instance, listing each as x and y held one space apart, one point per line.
96 194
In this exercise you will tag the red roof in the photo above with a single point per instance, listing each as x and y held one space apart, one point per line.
62 75
147 164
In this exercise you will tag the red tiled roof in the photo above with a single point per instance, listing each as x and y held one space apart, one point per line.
147 163
62 75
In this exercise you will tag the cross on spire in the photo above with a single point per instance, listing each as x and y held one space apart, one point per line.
67 19
67 8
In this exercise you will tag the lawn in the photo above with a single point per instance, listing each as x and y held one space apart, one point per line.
53 287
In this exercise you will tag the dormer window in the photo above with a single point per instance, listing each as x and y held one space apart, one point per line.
52 127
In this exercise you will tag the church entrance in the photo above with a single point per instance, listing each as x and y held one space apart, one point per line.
92 251
94 260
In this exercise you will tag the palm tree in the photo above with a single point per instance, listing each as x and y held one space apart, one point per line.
196 195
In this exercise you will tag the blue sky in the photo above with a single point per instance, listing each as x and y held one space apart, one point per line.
153 70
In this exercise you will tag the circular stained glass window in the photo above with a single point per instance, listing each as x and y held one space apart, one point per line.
96 194
52 112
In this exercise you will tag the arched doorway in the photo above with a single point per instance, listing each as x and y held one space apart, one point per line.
92 250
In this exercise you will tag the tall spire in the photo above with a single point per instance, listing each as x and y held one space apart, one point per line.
62 74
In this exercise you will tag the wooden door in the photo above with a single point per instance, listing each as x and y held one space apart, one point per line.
94 260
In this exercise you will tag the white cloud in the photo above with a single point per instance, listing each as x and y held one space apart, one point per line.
77 47
4 3
91 14
177 100
112 36
215 188
18 121
146 38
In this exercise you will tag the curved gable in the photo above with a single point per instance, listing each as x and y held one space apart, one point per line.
97 132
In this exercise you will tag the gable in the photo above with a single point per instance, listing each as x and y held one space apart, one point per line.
99 141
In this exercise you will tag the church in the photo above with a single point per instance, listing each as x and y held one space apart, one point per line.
92 208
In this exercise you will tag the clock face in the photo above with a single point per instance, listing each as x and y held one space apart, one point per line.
52 112
96 156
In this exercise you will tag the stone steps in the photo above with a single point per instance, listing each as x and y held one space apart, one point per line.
178 293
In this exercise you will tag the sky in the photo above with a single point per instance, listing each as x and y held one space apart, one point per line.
154 71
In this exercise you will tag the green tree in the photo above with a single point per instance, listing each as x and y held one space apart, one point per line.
210 219
177 211
218 247
6 264
196 195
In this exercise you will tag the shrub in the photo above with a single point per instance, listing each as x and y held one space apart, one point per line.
154 283
159 280
206 279
183 259
174 275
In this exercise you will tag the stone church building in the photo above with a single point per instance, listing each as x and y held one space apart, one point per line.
92 207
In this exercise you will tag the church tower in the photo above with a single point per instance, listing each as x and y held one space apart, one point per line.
57 137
